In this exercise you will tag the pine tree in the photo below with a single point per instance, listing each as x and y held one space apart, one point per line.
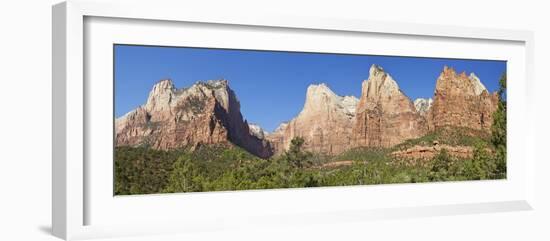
295 156
185 177
498 130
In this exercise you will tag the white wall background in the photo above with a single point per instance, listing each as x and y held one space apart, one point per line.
25 119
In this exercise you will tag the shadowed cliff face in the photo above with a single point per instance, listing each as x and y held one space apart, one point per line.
385 116
205 113
325 123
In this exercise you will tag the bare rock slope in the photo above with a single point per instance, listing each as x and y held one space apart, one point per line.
423 105
385 115
463 101
205 113
325 123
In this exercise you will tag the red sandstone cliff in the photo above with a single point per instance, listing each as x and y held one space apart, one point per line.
209 113
205 113
385 115
463 101
325 123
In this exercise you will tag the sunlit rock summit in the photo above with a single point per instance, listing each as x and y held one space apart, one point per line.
463 101
423 105
325 122
208 112
205 113
385 115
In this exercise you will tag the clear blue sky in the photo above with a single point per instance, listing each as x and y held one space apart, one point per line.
271 86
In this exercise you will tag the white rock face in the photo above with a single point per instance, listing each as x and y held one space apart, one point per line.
161 96
257 131
349 104
164 98
321 98
221 92
422 105
281 127
478 86
325 122
205 113
121 122
381 88
380 83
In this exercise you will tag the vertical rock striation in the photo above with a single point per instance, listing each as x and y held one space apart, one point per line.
209 113
461 101
325 123
205 113
385 116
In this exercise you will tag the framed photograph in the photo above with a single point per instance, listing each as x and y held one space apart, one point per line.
167 120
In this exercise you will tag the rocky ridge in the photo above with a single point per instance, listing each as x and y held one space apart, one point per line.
385 115
422 105
325 123
461 100
205 113
209 112
257 131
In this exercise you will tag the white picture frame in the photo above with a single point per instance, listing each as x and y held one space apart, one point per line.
72 190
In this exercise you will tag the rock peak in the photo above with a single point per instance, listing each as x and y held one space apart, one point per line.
422 105
325 122
281 127
450 80
447 69
478 86
376 69
217 83
319 89
458 101
164 84
381 110
160 96
207 112
222 92
379 83
319 97
256 130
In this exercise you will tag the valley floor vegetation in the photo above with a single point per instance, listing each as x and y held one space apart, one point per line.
142 170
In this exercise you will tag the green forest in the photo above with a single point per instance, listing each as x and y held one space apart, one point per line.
222 167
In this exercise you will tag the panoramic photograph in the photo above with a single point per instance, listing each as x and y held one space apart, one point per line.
192 119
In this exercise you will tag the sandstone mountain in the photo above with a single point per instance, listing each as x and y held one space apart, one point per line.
423 105
205 113
278 139
325 122
257 131
385 115
463 101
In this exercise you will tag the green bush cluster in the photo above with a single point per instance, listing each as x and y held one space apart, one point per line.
142 170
